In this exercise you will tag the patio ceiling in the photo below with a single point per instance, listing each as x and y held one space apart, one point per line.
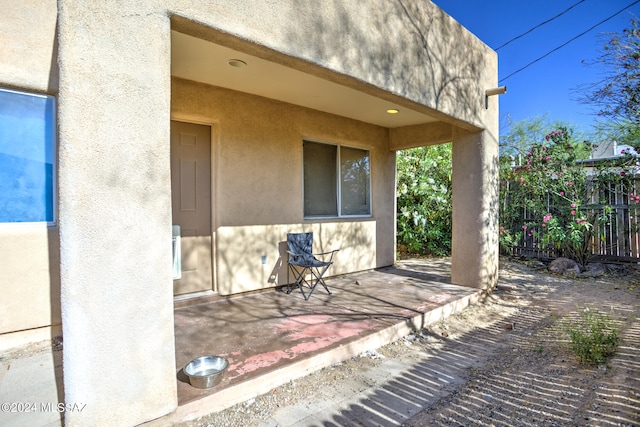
202 61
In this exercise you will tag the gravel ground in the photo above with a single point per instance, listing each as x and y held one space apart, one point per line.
502 362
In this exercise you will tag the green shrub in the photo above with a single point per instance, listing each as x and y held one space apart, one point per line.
549 201
593 336
424 200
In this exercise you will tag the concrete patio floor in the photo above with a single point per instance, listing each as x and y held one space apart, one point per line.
274 337
269 338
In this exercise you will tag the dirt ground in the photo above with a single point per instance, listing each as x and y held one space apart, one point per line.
502 362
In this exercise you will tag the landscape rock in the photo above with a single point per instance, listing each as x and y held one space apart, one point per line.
536 264
595 269
564 266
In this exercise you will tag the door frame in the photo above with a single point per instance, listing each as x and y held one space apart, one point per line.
213 126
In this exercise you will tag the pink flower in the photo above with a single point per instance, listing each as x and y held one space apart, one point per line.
524 227
559 175
573 212
562 193
521 179
622 174
544 225
570 184
573 205
547 158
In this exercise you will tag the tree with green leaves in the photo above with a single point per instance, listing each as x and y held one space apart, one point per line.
548 200
616 96
541 198
424 200
519 136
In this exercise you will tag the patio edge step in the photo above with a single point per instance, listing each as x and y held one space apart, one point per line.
244 391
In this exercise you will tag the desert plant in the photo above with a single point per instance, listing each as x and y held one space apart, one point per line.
593 336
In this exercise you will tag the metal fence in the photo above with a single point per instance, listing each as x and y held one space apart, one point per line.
616 236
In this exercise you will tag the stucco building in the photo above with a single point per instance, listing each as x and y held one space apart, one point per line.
238 121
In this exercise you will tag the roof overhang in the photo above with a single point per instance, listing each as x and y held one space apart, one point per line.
200 60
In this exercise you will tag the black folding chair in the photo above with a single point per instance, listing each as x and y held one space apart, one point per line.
307 270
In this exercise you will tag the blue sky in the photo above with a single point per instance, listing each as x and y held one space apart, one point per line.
548 86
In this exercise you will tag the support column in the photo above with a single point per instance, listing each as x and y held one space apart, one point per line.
474 260
115 213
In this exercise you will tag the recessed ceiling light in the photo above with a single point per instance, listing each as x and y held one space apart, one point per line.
393 111
238 63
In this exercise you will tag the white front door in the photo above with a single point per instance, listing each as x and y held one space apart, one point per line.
191 204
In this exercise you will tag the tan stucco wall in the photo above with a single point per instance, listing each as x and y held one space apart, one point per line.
29 279
114 107
415 54
474 242
257 176
115 211
28 44
475 198
30 273
239 264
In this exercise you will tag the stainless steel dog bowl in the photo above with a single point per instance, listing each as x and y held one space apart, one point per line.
206 371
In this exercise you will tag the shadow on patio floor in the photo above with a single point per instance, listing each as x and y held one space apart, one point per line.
272 338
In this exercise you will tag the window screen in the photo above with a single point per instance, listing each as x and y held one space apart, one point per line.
354 174
337 180
320 195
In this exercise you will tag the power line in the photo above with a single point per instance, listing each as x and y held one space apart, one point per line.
566 43
540 25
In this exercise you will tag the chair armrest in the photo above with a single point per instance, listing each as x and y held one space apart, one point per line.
327 253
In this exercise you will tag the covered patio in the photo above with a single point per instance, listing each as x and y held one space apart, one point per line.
259 87
272 338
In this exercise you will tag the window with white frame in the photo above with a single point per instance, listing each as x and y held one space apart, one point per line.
27 152
337 180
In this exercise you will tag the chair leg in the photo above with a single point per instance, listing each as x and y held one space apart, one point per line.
300 280
318 279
